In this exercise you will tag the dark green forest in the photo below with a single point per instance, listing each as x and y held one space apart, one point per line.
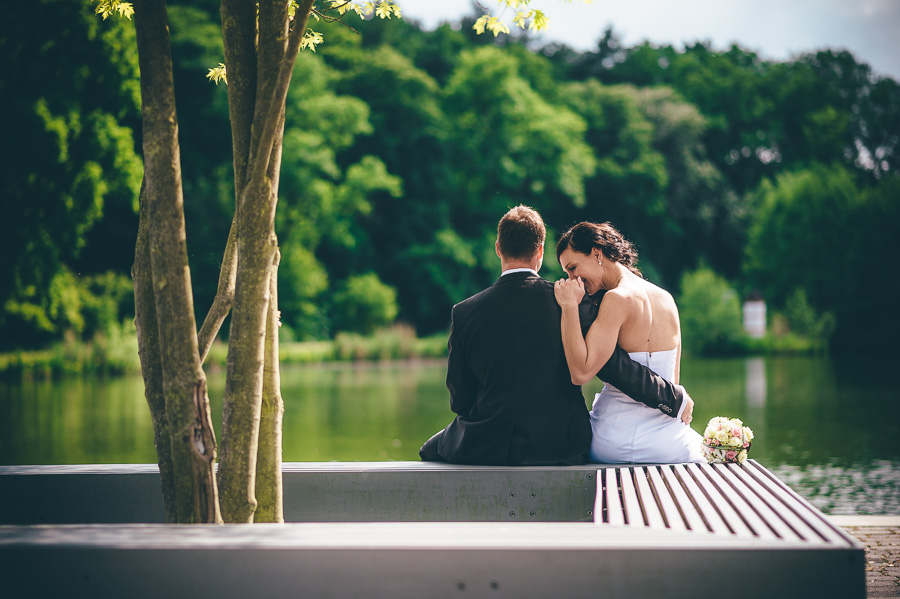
732 174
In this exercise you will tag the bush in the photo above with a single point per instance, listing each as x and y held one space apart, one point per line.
804 320
711 319
363 303
79 307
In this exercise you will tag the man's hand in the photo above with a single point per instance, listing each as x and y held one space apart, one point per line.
688 413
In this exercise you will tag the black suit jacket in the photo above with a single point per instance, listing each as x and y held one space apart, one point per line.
510 386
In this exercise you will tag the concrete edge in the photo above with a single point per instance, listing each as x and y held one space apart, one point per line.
844 521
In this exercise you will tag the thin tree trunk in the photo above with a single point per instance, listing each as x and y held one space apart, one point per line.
242 403
183 381
257 246
269 488
151 357
224 296
239 37
239 41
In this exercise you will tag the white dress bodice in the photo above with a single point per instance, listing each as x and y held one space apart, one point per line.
626 431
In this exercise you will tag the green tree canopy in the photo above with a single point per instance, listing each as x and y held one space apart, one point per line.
71 100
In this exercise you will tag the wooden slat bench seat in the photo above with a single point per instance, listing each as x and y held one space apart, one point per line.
407 529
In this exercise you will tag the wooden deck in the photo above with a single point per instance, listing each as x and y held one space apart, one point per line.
433 530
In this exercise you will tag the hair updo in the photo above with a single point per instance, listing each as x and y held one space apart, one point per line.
584 237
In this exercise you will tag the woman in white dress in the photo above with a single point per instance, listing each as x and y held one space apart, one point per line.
640 317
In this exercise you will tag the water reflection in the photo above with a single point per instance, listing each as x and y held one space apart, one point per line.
827 427
756 382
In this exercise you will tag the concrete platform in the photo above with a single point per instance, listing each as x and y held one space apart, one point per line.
668 530
406 560
881 537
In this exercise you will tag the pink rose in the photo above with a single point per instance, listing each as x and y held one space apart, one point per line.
736 432
730 455
747 444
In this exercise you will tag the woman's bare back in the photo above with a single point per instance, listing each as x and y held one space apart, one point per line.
651 323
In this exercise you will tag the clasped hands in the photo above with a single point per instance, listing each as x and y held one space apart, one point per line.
569 291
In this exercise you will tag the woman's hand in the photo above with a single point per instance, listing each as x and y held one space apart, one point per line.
569 291
688 413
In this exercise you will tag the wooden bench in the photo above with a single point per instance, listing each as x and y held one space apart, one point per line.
408 529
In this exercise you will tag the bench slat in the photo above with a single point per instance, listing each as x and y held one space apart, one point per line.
799 528
798 505
754 506
669 506
719 503
744 511
715 523
688 509
613 502
652 512
632 506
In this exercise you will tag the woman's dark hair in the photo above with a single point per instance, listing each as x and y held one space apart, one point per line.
584 237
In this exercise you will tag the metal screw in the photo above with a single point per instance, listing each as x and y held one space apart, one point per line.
590 476
532 494
590 512
512 514
532 514
512 494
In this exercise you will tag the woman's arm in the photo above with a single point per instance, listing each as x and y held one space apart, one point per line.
585 356
677 377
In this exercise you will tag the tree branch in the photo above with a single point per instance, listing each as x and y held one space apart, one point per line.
239 40
274 104
224 296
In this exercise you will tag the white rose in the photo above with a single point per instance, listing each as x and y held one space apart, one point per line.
722 436
734 441
742 456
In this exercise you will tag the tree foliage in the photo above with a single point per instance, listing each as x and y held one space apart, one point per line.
73 160
402 146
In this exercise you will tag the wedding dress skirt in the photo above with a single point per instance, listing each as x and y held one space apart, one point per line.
626 431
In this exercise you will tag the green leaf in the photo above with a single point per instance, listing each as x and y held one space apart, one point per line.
217 74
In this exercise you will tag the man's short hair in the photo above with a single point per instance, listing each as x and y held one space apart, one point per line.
520 233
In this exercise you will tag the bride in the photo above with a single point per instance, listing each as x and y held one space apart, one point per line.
643 320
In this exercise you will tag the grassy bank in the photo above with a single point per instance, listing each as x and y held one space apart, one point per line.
116 353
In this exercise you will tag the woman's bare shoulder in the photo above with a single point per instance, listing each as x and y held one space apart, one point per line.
656 292
620 295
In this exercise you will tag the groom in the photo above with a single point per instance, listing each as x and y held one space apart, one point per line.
507 375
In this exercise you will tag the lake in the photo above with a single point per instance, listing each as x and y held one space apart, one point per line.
827 426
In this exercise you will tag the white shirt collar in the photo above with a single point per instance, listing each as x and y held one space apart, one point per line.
512 270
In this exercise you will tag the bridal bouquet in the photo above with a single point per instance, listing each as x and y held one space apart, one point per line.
726 440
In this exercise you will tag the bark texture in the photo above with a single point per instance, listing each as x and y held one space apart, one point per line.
256 252
269 488
192 442
224 296
151 357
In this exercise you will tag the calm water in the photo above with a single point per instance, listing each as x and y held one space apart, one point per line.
828 427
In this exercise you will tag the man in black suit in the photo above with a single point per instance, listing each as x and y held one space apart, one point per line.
507 375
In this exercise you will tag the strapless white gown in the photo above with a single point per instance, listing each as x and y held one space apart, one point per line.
628 432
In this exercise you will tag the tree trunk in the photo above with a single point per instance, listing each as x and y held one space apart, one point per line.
224 296
151 357
256 245
183 381
269 489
